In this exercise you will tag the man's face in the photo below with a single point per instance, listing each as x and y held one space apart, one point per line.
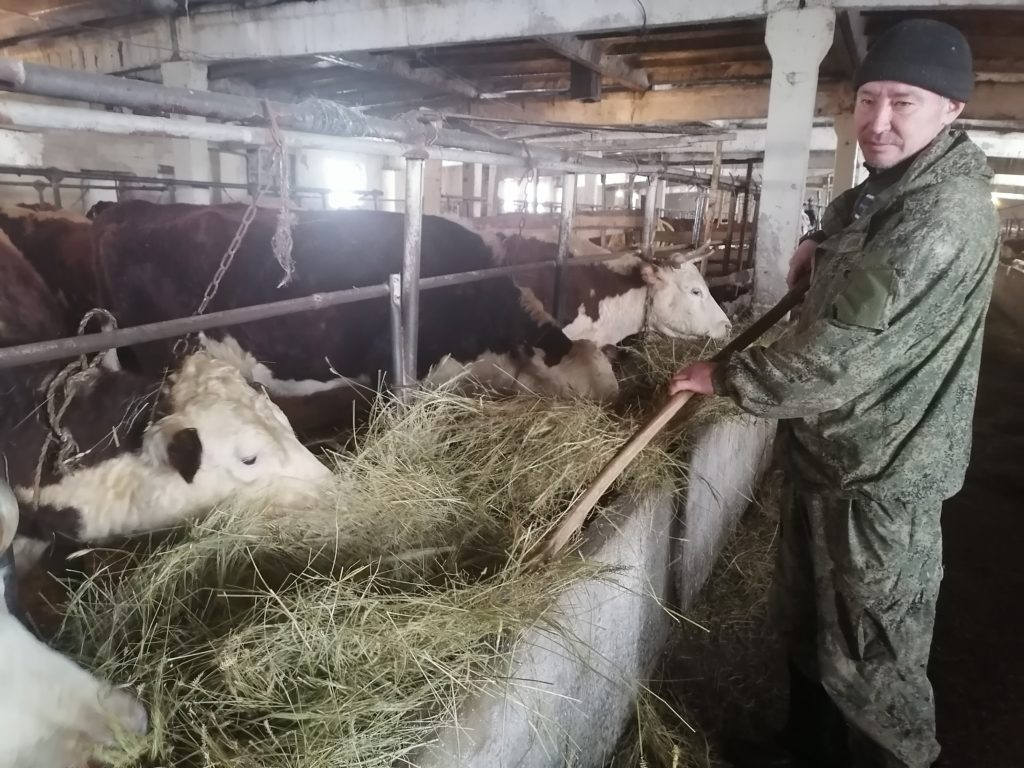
896 120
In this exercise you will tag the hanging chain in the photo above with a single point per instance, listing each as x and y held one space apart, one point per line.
277 151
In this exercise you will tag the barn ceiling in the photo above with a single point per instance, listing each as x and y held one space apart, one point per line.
449 81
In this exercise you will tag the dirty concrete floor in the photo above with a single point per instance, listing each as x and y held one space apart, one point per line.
977 664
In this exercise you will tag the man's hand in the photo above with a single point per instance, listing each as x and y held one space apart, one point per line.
801 262
693 378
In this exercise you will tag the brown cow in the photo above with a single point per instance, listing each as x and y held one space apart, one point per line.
155 262
58 244
149 453
609 301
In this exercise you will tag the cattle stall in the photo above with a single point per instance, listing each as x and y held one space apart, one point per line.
723 470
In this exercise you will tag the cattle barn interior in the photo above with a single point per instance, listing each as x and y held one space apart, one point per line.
235 215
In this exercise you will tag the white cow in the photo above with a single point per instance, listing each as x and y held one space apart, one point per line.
53 714
609 301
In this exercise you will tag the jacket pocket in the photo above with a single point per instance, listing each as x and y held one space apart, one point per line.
865 299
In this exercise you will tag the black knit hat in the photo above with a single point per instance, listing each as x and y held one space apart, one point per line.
929 54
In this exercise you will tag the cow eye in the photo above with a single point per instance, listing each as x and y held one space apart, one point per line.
696 292
249 460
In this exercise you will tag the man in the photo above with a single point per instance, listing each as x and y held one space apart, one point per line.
875 387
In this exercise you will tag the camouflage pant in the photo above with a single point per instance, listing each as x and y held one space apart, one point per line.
856 586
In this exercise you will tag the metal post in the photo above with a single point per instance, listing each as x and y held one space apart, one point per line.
740 255
55 187
698 216
753 233
728 232
564 234
414 165
398 374
654 187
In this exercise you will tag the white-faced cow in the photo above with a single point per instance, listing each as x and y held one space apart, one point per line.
155 262
54 713
149 453
608 301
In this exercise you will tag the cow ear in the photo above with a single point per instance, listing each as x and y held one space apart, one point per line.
185 453
649 273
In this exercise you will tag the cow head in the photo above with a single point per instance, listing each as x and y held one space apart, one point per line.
220 438
681 304
224 436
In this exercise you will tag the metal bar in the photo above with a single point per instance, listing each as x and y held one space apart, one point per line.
398 373
47 173
61 349
45 117
740 255
650 218
752 258
55 188
315 116
698 216
414 166
728 232
564 234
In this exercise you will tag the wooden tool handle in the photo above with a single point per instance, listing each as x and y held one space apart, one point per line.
577 514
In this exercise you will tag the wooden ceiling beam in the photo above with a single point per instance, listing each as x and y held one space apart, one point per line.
591 54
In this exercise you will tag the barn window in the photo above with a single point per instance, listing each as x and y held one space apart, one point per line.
346 179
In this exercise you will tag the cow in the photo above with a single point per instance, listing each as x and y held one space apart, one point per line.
150 451
156 261
608 301
58 244
54 713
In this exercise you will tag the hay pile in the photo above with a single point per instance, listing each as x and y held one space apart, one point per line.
346 632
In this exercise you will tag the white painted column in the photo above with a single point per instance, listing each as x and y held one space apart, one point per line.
493 179
433 181
191 156
847 155
472 189
797 39
590 194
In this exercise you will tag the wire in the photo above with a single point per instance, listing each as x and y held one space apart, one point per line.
643 10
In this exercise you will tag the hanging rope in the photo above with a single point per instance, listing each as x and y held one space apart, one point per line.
59 393
281 242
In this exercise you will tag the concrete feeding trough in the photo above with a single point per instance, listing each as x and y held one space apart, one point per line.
568 697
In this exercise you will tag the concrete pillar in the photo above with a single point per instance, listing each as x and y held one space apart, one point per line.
847 156
493 179
433 178
797 39
472 189
191 156
590 195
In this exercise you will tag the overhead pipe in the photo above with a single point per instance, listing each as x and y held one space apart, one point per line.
43 117
315 116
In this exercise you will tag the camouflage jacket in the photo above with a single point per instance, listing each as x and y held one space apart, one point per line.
877 380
